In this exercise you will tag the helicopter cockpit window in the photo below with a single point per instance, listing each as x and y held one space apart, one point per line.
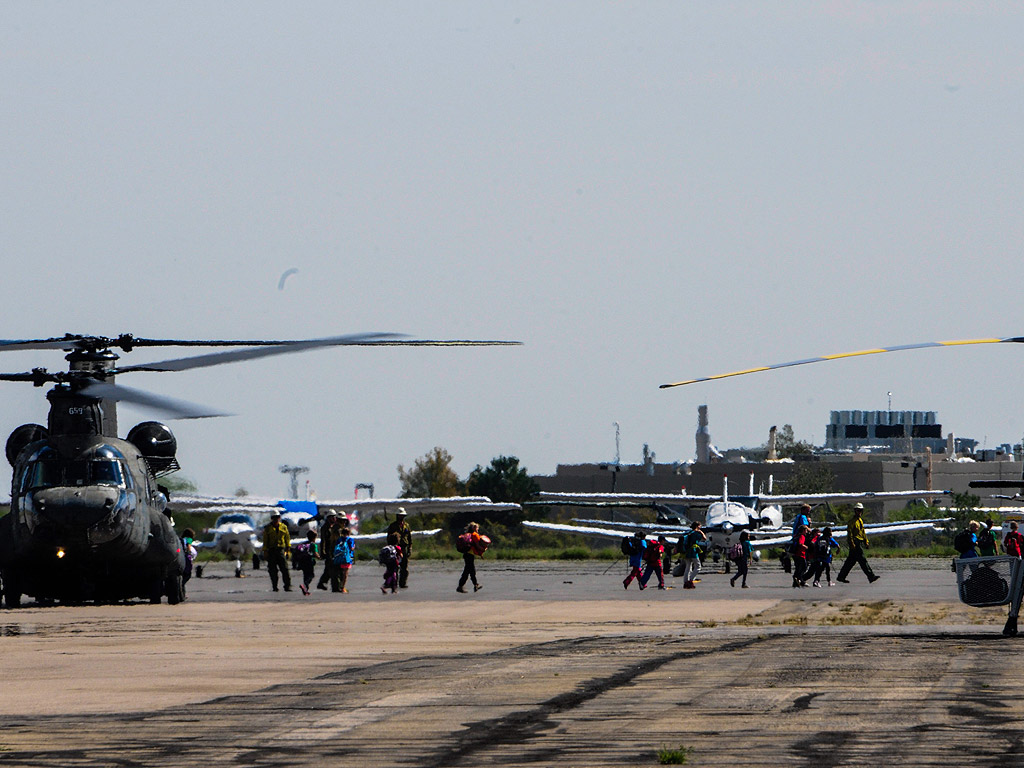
106 472
42 474
51 474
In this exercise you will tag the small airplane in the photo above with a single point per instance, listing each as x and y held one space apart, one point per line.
725 518
234 535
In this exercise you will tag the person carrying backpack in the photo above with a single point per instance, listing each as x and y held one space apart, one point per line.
473 544
692 545
636 547
966 542
343 558
304 558
389 557
798 551
1013 543
742 560
652 559
823 557
987 543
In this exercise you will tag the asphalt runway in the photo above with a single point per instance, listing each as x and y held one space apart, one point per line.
549 664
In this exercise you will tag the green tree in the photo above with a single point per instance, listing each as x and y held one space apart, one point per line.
808 477
965 506
178 484
788 446
503 481
430 476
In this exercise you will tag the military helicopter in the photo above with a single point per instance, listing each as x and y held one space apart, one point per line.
88 519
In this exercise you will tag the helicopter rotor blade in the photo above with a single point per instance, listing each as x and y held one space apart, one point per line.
280 348
253 353
14 345
901 348
172 408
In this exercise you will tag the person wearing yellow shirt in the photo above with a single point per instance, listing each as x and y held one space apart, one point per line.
857 541
276 543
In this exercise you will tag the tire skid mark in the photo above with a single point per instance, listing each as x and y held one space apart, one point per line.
519 727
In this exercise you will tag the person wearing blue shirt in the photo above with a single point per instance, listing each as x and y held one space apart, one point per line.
692 544
636 560
802 518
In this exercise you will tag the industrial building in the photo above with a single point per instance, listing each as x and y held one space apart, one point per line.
865 451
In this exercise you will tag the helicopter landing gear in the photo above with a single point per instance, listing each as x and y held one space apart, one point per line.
175 589
11 591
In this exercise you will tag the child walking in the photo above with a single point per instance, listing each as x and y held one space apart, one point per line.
389 557
305 560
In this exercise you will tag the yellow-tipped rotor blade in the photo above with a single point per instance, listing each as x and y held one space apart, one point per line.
880 350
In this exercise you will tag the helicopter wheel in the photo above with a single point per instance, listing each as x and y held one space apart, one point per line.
174 589
11 594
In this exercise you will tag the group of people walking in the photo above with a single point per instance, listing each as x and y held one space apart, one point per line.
335 545
810 551
981 541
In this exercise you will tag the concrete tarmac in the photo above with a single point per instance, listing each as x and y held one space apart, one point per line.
549 664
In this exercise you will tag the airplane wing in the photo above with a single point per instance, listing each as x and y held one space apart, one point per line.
775 538
626 498
384 534
635 526
811 498
196 502
587 530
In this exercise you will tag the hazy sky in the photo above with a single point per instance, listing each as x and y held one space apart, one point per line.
641 192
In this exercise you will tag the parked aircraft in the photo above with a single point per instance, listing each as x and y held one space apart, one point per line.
234 536
725 518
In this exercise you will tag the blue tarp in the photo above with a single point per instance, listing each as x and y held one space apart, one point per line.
293 505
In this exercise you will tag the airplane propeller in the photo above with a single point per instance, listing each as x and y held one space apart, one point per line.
900 348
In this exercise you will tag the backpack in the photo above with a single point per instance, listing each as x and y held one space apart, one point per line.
824 546
1012 544
735 551
464 543
985 539
341 554
388 555
962 542
303 554
630 546
653 552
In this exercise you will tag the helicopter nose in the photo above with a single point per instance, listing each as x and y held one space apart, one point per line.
76 507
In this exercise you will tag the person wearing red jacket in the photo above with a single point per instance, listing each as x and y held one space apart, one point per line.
798 549
477 546
652 563
1013 543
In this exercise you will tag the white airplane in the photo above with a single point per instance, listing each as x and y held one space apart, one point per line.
758 514
234 535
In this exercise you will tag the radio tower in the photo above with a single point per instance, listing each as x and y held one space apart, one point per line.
294 472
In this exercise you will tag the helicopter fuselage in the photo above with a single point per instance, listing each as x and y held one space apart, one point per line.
87 517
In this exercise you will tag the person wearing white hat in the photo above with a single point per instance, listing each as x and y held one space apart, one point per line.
857 541
401 529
